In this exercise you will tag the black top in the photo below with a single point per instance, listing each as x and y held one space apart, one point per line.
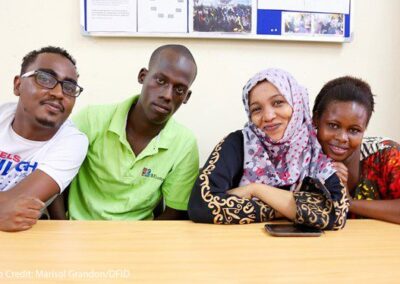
319 205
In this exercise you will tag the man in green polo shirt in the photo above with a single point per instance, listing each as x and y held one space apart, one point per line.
138 155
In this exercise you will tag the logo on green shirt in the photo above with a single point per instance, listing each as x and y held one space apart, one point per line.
147 173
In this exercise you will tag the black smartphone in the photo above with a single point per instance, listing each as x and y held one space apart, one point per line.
290 230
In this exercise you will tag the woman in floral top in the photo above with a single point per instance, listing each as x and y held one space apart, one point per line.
370 166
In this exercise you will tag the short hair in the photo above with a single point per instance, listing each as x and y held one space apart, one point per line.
344 89
31 56
178 48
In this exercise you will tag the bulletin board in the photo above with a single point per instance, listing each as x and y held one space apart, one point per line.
299 20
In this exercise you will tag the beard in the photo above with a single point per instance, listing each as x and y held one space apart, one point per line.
46 123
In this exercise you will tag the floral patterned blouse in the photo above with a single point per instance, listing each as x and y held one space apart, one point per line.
379 170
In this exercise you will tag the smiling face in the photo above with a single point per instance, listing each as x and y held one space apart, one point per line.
269 110
39 107
341 128
166 85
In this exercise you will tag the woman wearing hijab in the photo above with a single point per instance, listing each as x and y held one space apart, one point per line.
272 168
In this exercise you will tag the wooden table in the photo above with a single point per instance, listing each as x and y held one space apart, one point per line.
366 251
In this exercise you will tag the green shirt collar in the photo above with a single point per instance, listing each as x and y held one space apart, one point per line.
118 121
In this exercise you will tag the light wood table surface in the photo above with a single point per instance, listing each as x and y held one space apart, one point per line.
366 251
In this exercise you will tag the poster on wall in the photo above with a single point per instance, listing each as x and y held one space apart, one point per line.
308 20
163 16
327 20
110 15
227 16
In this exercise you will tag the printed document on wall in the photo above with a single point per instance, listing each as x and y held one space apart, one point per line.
163 16
323 6
111 15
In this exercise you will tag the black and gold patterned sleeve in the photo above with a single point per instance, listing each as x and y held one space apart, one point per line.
320 205
209 202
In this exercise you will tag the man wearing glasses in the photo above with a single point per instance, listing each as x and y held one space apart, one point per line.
138 154
40 150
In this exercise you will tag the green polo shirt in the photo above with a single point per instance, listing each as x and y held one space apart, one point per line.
114 184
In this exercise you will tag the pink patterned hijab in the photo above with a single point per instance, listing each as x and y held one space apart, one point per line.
298 154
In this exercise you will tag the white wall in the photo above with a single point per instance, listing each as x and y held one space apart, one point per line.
109 66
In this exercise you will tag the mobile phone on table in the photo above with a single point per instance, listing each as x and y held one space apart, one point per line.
291 230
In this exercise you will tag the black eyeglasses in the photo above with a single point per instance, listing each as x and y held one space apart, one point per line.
48 81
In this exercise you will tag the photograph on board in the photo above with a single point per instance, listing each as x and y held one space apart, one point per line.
232 16
328 24
296 23
321 24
